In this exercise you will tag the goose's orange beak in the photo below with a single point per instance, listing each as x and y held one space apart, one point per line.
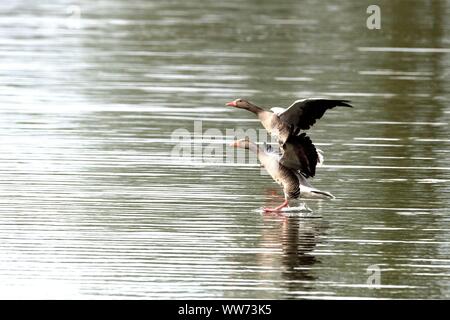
233 144
231 104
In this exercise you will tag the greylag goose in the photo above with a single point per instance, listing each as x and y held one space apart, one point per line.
291 169
301 115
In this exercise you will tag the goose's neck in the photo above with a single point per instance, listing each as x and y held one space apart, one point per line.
253 147
255 109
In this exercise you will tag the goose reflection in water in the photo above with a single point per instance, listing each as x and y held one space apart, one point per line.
296 238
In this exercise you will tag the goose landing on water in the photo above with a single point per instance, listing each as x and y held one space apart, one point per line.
299 157
291 169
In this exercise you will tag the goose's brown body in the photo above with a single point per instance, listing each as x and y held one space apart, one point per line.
274 126
287 178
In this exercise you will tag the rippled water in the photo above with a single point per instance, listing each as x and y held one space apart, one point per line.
92 204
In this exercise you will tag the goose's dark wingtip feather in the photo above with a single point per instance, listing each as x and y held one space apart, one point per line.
345 103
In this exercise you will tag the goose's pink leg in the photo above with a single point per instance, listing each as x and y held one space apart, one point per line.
281 206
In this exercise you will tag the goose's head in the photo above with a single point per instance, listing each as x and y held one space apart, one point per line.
242 143
240 103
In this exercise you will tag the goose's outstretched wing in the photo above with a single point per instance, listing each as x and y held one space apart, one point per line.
302 114
299 153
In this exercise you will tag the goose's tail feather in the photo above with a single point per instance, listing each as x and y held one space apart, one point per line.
320 158
313 193
308 191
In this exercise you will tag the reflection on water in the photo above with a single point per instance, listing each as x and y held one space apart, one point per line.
92 206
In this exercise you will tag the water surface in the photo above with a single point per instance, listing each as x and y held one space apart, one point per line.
93 206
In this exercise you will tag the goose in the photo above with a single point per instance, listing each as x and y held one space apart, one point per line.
291 169
283 123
